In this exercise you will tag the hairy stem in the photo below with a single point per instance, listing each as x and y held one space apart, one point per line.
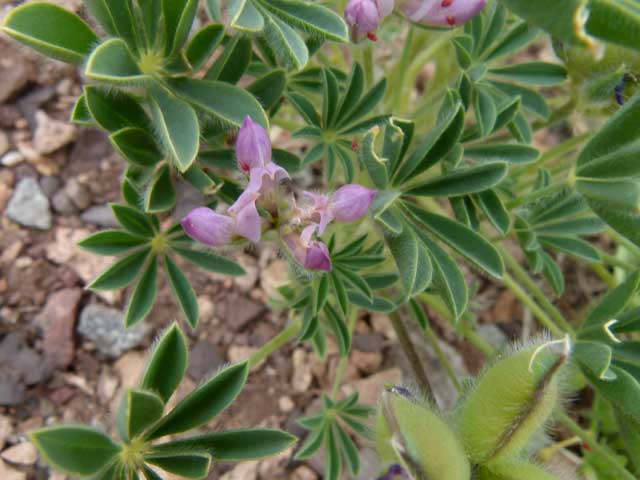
412 356
275 343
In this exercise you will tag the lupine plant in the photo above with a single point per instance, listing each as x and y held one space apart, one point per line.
418 186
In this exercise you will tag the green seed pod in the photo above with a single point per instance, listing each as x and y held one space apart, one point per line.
514 471
511 401
414 436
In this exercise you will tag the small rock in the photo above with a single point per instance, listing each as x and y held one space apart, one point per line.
16 71
303 473
370 462
7 473
302 375
239 353
57 321
273 276
17 358
50 134
21 454
242 471
104 326
57 476
286 404
78 194
49 185
368 342
246 282
130 367
6 430
61 203
371 387
100 215
492 334
381 323
4 143
32 102
29 206
239 311
367 362
107 385
203 360
206 308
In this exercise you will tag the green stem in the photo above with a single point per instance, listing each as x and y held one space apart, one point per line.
616 262
367 61
412 356
621 472
604 275
275 343
342 366
398 88
522 276
442 357
461 325
540 314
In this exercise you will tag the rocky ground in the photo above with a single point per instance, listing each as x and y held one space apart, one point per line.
64 356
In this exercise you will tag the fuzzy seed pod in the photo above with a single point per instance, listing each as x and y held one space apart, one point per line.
514 471
510 403
414 436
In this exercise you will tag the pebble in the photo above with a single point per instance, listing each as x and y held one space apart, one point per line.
302 375
273 276
204 359
239 353
303 473
286 404
62 203
130 367
107 385
4 143
29 206
367 362
101 215
21 454
246 282
6 430
57 320
16 72
371 387
50 134
242 471
78 194
49 185
7 473
104 326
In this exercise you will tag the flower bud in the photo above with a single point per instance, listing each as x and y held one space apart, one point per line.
311 254
417 438
446 13
209 227
351 202
364 16
253 147
511 402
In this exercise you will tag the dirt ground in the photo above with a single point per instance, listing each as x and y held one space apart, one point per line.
54 370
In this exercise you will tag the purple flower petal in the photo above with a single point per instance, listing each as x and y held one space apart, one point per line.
209 227
362 16
442 12
318 257
351 202
253 147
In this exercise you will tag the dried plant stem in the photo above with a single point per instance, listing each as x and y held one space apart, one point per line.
414 360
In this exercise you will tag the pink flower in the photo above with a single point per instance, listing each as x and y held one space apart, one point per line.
311 254
347 204
253 147
364 16
209 227
445 13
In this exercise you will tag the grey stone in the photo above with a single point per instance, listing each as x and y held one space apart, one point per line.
62 203
368 342
50 185
50 134
12 158
105 328
492 334
29 206
33 101
100 215
19 366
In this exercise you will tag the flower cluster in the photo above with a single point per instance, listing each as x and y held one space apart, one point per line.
364 16
300 222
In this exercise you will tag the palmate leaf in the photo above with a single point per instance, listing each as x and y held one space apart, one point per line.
138 410
112 62
121 273
144 295
51 30
187 465
182 290
111 242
